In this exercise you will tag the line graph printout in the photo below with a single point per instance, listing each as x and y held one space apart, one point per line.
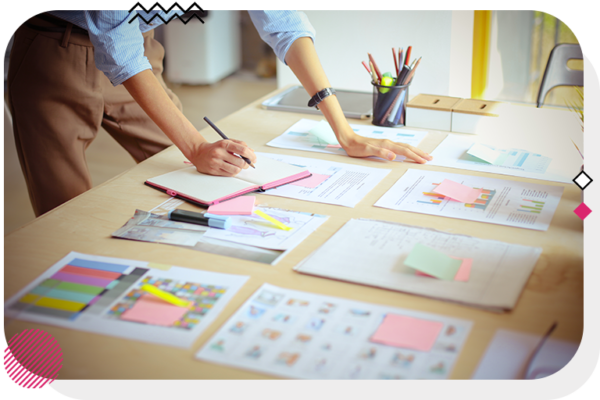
298 137
343 184
102 295
457 152
503 202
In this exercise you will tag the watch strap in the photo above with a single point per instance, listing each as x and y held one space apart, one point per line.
320 96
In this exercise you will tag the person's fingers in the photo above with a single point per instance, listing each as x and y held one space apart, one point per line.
228 169
381 152
407 150
242 150
234 160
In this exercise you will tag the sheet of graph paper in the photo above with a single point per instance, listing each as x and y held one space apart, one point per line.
371 252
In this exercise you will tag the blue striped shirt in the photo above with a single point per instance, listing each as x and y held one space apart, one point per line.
119 45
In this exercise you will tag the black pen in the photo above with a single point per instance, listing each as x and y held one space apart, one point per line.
226 138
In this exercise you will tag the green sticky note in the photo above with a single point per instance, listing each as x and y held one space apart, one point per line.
324 133
483 153
433 262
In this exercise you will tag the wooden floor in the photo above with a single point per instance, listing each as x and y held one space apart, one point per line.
107 159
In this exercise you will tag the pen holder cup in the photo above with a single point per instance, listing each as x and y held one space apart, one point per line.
389 105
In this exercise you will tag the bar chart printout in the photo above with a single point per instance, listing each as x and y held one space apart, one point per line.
504 202
103 295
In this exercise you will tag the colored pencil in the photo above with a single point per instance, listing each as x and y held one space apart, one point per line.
407 55
366 67
377 71
395 60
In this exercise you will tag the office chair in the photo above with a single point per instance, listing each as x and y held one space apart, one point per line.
557 73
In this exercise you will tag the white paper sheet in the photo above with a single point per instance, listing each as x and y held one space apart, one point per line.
346 186
297 137
253 230
210 291
371 252
452 152
304 335
504 202
509 350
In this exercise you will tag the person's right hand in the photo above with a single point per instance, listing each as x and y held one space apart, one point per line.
218 158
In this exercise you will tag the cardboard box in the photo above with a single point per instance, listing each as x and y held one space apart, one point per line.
431 112
468 114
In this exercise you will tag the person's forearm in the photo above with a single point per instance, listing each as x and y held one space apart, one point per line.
150 95
303 61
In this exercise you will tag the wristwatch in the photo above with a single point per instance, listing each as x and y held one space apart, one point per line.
320 96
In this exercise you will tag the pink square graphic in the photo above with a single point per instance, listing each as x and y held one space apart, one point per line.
582 211
153 311
312 181
408 332
243 205
457 191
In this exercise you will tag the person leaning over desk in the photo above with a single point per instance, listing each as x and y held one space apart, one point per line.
71 72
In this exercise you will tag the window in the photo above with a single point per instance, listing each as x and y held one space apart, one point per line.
520 43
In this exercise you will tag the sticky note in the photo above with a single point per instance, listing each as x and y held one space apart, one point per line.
312 181
243 205
324 133
407 332
457 191
483 153
154 311
334 146
432 262
463 273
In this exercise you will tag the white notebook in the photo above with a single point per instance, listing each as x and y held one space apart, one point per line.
204 190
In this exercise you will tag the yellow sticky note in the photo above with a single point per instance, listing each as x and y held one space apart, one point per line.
166 296
59 304
163 267
273 220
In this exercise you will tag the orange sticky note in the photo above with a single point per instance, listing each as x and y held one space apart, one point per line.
407 332
243 205
457 191
463 273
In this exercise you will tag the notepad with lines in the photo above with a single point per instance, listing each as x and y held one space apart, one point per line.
193 186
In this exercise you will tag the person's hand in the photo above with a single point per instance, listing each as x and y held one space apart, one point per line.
360 146
218 158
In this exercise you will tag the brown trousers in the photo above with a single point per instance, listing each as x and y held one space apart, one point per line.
58 101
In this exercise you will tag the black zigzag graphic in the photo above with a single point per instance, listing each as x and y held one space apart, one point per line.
166 11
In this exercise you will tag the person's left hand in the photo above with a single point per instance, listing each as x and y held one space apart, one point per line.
359 146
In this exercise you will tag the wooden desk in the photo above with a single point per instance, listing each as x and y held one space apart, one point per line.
554 291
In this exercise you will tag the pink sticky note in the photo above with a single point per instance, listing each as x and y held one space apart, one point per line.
334 146
457 191
243 205
153 311
312 181
408 332
463 273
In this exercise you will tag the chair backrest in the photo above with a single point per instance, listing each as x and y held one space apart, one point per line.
557 73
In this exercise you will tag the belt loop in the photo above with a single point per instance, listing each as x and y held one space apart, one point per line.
67 35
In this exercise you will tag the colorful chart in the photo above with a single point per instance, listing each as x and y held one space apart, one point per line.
103 295
77 287
203 296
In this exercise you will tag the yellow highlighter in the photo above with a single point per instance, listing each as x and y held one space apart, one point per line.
166 296
273 220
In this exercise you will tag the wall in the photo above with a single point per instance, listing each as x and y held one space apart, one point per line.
434 35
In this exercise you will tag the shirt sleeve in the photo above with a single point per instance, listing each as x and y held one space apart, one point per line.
279 29
118 44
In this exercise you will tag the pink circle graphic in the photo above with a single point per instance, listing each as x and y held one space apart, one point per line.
33 358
